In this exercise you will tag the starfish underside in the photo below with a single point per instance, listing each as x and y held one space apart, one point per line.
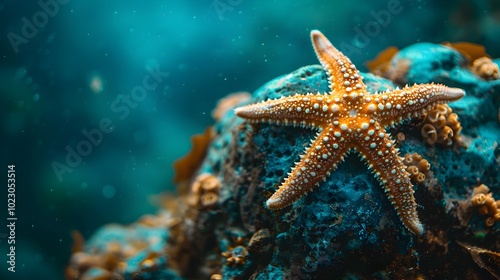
349 118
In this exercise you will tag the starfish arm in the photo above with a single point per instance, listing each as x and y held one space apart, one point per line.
342 73
384 161
303 110
315 165
410 102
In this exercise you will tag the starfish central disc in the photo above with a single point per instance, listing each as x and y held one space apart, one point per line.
350 118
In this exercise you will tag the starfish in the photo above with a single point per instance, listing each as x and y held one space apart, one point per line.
349 118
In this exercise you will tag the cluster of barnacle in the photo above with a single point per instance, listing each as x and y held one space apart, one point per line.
120 254
441 126
92 266
82 264
205 191
417 166
237 253
486 205
485 68
185 237
201 195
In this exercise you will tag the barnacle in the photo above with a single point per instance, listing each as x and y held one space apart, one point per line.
237 254
485 68
417 166
401 137
441 126
429 133
205 191
486 205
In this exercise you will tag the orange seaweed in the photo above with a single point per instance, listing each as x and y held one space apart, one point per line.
186 166
471 51
382 62
78 241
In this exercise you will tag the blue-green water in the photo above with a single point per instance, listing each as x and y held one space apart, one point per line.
99 98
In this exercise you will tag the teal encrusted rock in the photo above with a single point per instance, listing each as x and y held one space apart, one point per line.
346 226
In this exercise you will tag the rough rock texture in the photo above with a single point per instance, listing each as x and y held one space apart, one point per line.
346 228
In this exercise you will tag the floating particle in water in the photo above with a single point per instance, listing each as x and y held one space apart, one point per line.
108 191
96 83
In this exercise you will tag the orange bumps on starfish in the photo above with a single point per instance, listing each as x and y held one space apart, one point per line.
349 118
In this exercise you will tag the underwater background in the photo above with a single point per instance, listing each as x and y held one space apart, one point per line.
98 99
